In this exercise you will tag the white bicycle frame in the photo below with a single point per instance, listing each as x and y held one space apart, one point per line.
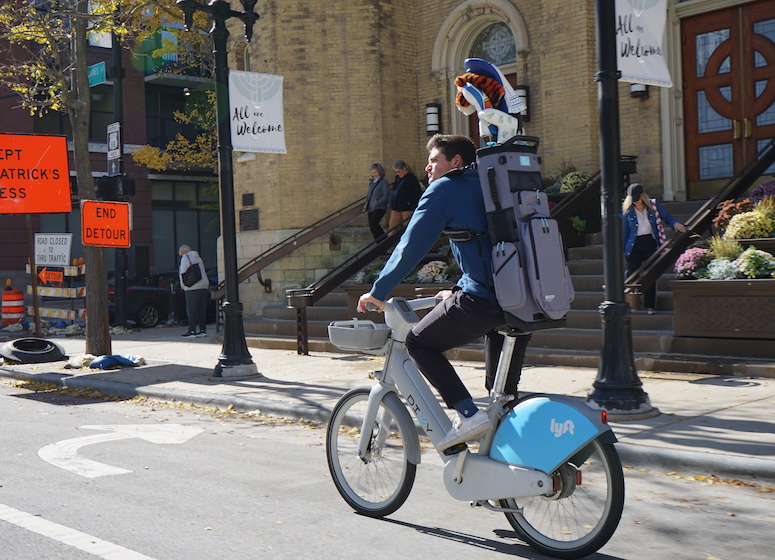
467 476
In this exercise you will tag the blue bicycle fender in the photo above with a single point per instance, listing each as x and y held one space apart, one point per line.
545 432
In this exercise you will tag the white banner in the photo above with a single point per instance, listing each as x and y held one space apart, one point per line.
256 102
639 28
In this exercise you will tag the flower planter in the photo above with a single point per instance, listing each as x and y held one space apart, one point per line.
724 308
408 291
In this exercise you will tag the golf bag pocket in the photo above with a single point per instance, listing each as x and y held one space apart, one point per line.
508 276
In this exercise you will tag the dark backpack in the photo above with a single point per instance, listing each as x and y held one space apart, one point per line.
531 279
192 275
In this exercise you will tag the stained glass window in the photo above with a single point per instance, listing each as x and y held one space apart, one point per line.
496 45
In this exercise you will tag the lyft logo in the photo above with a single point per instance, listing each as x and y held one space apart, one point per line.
561 428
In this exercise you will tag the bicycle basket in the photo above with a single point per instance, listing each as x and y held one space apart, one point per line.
357 335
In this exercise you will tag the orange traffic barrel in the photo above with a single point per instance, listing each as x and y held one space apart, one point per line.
13 305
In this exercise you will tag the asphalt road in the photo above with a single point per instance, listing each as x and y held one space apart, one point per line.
85 479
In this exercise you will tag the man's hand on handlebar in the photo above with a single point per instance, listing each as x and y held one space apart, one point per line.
366 299
443 294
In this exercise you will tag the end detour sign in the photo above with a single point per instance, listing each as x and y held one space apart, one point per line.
34 174
105 224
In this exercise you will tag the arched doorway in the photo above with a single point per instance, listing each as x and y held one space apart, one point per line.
490 29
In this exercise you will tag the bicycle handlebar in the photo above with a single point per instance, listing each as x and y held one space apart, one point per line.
423 303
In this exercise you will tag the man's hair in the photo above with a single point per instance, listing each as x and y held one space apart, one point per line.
399 164
452 145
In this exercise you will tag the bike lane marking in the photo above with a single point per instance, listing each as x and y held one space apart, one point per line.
64 454
68 536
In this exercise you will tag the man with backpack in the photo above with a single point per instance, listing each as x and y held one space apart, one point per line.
452 201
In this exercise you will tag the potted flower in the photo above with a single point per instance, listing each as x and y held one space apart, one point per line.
427 279
725 290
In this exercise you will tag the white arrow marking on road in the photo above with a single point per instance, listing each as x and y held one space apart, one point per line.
64 454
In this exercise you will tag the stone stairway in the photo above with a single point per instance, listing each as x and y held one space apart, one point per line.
655 348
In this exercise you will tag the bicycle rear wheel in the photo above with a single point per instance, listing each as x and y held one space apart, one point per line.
582 512
379 483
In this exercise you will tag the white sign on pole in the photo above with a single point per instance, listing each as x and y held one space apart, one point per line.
640 25
53 249
256 104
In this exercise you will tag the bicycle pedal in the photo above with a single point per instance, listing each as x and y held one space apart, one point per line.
455 449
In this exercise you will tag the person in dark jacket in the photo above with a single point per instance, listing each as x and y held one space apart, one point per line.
641 219
454 201
377 199
405 196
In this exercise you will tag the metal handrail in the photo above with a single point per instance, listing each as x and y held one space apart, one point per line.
293 242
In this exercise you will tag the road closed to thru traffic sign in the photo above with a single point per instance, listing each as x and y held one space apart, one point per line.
34 174
105 224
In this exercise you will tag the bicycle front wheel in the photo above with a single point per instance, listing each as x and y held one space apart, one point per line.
378 483
583 510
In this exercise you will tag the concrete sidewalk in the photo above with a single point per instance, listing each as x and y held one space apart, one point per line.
708 424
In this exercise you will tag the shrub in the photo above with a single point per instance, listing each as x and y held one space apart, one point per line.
765 189
722 269
754 263
693 263
750 225
728 209
724 248
573 180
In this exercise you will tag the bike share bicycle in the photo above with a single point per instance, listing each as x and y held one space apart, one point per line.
549 465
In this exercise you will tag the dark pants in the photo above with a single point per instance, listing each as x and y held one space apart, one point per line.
196 309
459 320
645 246
375 218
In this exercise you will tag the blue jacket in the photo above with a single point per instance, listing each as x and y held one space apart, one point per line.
630 224
451 202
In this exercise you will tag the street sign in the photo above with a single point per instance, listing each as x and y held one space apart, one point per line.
97 74
53 249
47 276
105 224
34 174
114 149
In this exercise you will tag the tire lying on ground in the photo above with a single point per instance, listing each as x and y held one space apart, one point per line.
31 351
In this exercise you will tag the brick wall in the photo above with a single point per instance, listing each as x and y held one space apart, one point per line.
357 76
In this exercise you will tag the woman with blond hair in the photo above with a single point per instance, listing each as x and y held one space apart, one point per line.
642 233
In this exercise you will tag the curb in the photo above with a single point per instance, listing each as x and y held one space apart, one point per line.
698 463
721 465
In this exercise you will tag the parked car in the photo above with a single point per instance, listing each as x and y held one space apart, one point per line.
156 298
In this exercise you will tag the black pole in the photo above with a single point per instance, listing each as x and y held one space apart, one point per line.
617 388
235 361
118 116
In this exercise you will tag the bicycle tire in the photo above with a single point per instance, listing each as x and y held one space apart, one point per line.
379 484
575 520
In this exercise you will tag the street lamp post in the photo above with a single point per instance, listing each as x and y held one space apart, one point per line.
234 362
617 389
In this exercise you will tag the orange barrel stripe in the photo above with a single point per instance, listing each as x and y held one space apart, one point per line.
13 306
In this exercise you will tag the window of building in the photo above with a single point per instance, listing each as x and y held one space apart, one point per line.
161 102
183 212
496 45
55 122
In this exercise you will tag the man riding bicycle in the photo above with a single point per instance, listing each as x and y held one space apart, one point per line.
452 201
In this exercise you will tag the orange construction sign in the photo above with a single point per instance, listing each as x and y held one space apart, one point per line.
105 224
51 276
34 174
